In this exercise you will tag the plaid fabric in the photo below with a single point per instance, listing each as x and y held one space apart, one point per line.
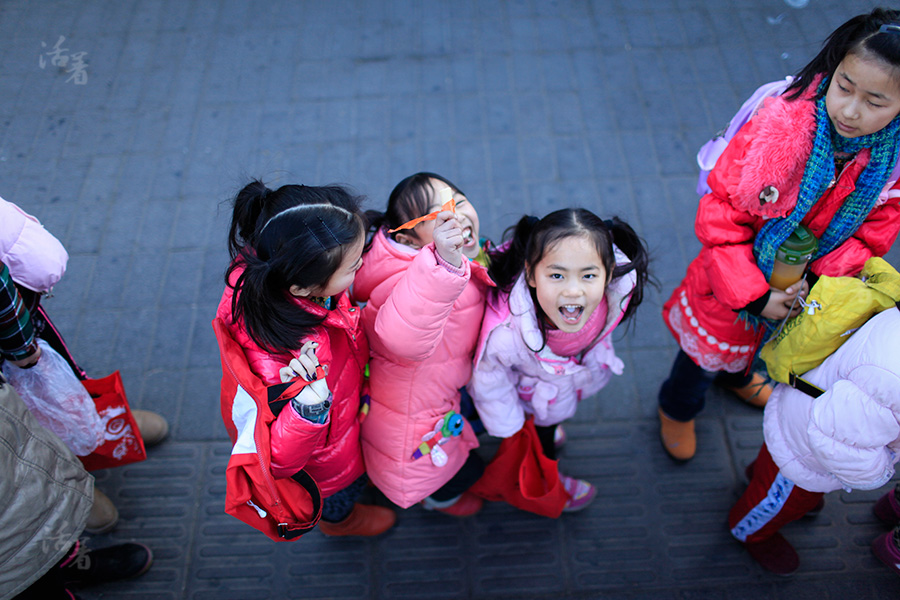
818 175
16 331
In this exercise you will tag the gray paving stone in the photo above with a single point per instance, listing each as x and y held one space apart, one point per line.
529 106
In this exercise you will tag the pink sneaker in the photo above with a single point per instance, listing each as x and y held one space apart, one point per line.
581 493
888 509
886 550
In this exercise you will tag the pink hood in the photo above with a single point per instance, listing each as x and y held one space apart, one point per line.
422 321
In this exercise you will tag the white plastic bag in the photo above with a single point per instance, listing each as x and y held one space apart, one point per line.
58 400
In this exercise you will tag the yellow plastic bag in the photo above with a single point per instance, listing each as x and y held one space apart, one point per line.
835 308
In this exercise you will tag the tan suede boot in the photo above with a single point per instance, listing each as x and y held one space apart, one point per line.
364 520
104 514
153 427
678 437
756 393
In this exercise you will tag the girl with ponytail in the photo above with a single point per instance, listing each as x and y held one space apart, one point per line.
295 252
564 283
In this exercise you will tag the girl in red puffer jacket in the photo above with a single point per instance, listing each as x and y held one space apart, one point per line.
295 251
820 156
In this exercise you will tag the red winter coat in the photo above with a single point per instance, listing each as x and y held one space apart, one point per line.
771 149
329 452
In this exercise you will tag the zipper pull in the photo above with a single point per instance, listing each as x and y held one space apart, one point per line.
262 514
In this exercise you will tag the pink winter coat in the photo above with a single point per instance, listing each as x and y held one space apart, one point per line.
329 452
422 321
849 437
512 380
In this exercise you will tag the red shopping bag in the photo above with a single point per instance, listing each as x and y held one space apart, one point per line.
123 443
521 475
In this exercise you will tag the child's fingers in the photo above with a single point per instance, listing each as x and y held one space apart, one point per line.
443 217
294 369
309 363
286 374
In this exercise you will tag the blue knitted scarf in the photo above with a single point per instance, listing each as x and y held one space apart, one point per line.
818 175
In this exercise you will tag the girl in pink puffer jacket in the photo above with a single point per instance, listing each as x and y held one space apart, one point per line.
425 293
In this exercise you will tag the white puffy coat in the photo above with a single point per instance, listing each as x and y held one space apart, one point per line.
511 380
849 437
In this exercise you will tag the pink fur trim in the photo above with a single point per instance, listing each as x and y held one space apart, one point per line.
776 156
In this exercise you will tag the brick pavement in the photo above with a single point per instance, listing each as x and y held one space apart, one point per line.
529 106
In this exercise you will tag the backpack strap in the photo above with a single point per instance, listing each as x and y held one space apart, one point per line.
802 385
309 484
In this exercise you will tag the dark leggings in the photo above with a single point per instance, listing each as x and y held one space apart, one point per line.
468 474
683 395
547 433
338 506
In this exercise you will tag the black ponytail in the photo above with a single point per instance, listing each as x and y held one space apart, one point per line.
247 206
625 238
508 260
857 35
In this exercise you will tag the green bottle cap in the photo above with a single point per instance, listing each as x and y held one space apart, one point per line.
798 248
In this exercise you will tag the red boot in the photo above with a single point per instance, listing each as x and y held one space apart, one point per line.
364 520
774 554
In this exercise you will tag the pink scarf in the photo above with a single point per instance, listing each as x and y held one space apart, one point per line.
569 344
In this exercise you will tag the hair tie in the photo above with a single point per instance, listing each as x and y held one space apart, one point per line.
889 28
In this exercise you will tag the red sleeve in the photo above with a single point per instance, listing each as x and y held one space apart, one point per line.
293 441
873 238
727 233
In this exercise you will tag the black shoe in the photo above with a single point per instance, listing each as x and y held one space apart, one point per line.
122 561
47 588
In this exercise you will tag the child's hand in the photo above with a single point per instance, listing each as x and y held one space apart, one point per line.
303 366
307 366
782 303
448 238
